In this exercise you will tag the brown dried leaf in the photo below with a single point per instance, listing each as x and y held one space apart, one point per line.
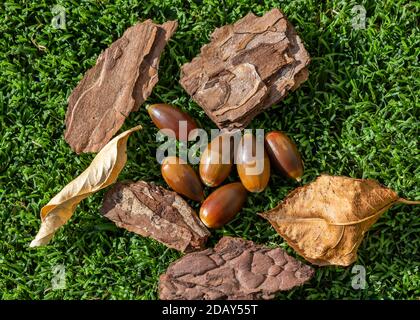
325 221
247 67
121 80
102 172
234 269
155 212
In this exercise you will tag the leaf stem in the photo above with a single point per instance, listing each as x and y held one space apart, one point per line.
410 202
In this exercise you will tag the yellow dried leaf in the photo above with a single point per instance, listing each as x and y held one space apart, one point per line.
102 172
325 221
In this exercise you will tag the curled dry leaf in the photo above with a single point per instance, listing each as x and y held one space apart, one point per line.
325 221
102 172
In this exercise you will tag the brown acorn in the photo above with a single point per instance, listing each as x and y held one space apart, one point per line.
223 204
182 178
216 161
284 154
253 168
165 116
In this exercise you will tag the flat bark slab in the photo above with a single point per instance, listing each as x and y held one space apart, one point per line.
122 79
152 211
234 269
247 67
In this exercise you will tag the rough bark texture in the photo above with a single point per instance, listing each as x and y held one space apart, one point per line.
155 212
234 269
121 80
247 67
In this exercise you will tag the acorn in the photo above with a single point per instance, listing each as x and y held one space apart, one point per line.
182 178
165 116
252 163
284 154
216 161
223 205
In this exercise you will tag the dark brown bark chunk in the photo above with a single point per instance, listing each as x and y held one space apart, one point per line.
122 79
247 67
155 212
234 269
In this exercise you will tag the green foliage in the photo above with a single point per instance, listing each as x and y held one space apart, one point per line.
357 115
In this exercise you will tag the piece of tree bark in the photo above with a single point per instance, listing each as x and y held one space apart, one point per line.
155 212
122 79
247 67
234 269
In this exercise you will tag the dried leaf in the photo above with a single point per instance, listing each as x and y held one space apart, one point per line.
122 79
102 172
234 269
247 67
325 221
152 211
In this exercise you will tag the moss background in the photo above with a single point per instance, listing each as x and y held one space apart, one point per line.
357 115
